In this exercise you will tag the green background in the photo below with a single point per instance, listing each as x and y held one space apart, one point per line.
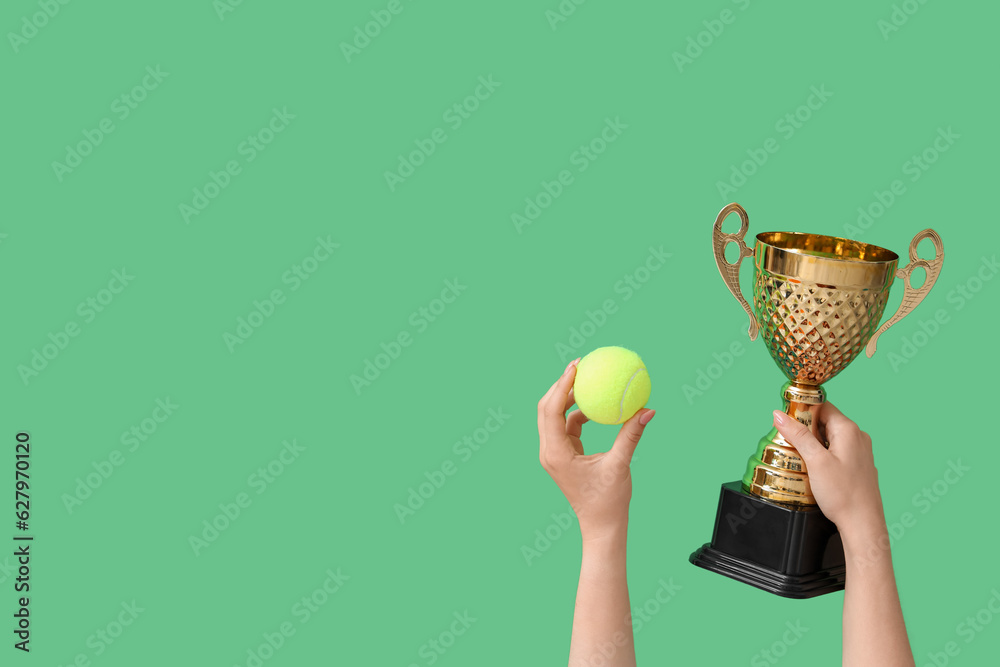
495 346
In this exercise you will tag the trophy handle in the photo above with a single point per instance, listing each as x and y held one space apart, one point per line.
912 296
731 272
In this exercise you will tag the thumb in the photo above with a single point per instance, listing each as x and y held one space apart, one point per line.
630 433
802 439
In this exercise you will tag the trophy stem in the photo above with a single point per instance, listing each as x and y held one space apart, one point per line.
776 471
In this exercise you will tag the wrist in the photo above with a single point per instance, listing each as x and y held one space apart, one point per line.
604 540
864 532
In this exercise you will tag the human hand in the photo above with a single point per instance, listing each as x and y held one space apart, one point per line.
843 478
597 486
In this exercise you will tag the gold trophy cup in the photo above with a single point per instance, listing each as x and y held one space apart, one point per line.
817 301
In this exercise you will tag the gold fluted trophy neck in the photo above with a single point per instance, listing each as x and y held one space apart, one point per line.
817 302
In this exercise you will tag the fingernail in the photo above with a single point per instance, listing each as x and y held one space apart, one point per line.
779 418
575 361
647 417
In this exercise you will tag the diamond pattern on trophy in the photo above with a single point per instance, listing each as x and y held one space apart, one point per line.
814 331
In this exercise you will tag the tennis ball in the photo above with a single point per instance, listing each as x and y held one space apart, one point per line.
611 385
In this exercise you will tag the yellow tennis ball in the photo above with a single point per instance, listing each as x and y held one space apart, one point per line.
611 385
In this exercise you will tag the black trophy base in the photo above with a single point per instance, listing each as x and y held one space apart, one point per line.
791 552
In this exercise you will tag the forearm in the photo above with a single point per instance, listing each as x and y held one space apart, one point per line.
874 631
602 623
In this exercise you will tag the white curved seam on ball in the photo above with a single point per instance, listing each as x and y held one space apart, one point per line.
621 407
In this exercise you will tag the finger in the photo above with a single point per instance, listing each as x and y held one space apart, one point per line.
542 403
867 440
552 415
630 433
570 400
795 432
575 422
544 400
556 384
839 429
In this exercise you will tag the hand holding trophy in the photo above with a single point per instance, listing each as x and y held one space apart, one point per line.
817 301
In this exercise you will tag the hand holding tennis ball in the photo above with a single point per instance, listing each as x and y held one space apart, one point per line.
599 485
611 385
